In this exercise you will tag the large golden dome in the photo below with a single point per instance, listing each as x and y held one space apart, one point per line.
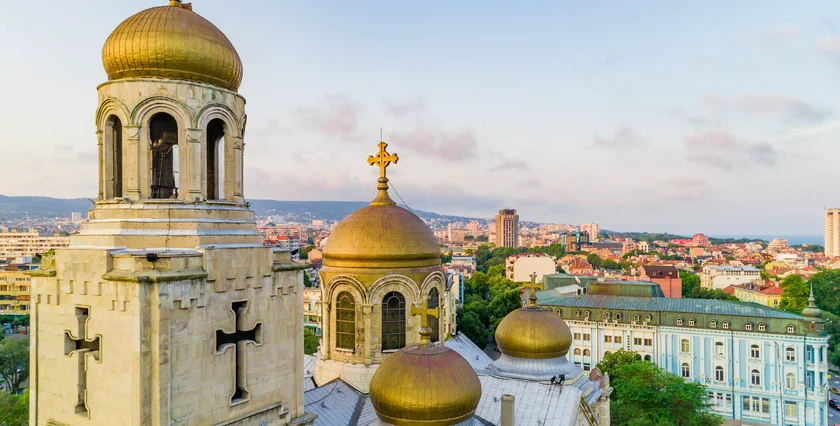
533 332
172 42
425 384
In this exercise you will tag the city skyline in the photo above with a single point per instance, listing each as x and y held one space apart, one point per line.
568 115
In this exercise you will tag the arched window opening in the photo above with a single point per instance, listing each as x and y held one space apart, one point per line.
113 135
685 370
755 377
215 159
586 352
790 354
577 351
790 381
648 358
719 374
434 324
345 321
755 351
393 321
719 348
163 134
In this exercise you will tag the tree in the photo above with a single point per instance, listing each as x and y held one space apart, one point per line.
647 395
306 281
304 252
14 362
794 294
471 326
446 257
14 409
310 341
502 302
610 264
612 363
594 260
826 287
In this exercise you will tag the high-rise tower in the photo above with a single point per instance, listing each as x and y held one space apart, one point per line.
507 228
167 307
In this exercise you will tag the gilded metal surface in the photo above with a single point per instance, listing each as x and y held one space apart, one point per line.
172 42
533 333
425 385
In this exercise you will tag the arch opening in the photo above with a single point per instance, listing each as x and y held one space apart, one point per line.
345 321
434 323
393 321
163 141
113 136
215 159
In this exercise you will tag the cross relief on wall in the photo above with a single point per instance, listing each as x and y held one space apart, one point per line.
85 348
238 339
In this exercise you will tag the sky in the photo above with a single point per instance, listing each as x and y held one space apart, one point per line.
681 116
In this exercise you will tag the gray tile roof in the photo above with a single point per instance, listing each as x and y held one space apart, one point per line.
699 306
467 349
335 403
536 403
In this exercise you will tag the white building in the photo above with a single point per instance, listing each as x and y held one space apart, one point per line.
519 267
14 244
720 277
760 365
593 229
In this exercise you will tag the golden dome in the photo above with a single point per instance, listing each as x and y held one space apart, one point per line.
172 42
533 332
426 385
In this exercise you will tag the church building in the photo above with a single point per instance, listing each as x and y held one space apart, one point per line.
167 308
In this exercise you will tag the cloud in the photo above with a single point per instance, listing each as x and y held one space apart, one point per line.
339 116
829 45
622 138
399 109
695 120
772 37
721 150
782 105
434 142
510 165
682 189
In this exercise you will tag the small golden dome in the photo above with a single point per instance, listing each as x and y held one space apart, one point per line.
427 385
172 42
533 332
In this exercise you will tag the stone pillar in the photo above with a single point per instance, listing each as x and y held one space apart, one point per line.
135 164
326 320
367 310
101 152
237 172
192 178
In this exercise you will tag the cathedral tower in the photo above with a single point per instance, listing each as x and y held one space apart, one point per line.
167 307
379 263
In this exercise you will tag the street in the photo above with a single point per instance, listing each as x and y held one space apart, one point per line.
834 415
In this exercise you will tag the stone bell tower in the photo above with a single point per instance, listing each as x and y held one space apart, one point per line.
167 307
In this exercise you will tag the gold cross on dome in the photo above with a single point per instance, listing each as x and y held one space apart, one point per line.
424 313
382 158
533 286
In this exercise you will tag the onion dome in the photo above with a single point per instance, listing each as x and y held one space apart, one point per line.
172 42
425 384
812 311
533 332
382 234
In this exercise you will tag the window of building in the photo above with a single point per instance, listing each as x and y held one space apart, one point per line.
748 326
163 135
679 321
713 324
586 315
345 321
636 317
434 324
790 381
113 134
393 321
755 351
618 317
790 329
719 348
577 314
586 366
691 322
648 342
637 341
606 316
790 354
719 373
685 370
577 351
790 410
607 339
762 327
725 325
809 354
685 345
577 336
586 337
647 318
617 339
647 358
755 378
754 404
215 154
586 352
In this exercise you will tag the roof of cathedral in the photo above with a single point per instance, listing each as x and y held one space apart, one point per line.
172 42
382 235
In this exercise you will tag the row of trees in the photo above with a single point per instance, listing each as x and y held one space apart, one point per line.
488 298
826 284
691 289
645 394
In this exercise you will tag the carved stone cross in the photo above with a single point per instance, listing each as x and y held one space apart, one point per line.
82 345
424 313
383 159
239 339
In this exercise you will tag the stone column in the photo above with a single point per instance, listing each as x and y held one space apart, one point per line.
101 150
193 184
367 310
238 174
326 320
135 164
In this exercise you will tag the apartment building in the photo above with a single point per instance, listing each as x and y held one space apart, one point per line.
832 232
15 291
30 243
507 228
720 277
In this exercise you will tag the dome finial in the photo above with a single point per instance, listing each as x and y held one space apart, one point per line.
812 311
532 298
425 312
383 159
